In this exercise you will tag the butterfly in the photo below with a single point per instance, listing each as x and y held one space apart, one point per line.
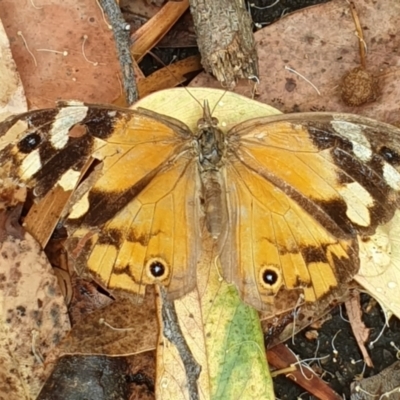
285 200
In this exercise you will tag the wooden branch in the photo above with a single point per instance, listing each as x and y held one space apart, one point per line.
225 39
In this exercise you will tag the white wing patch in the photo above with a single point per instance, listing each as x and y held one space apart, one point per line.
354 133
65 119
358 201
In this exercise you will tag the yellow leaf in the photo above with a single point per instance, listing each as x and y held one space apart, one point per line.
380 265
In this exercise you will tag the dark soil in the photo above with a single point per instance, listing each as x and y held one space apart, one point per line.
336 334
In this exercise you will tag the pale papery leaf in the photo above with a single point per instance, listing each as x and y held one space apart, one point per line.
379 272
12 98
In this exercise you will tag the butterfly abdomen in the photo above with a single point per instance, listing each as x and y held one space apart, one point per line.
214 207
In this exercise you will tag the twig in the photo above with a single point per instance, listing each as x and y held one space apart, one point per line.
121 34
173 333
359 33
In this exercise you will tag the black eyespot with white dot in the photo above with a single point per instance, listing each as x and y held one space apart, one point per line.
390 155
157 269
269 277
29 143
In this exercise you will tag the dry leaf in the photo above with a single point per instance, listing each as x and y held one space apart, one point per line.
12 98
282 358
379 272
56 61
122 328
33 314
380 266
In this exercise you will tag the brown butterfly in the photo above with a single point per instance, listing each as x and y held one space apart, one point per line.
285 199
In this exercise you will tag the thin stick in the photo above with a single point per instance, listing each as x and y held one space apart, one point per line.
121 34
104 17
359 33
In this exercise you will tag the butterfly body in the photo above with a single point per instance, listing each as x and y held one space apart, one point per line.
283 199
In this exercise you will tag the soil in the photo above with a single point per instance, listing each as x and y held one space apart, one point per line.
347 366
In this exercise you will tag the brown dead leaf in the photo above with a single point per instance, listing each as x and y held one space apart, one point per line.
385 385
304 42
47 30
86 298
122 328
33 313
360 331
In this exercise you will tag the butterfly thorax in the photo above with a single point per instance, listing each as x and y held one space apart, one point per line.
211 149
210 141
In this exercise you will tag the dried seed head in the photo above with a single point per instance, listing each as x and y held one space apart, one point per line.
358 87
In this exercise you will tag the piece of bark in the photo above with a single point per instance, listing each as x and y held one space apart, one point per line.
147 36
225 39
360 331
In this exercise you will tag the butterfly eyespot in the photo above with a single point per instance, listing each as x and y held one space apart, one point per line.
157 269
390 155
29 143
270 277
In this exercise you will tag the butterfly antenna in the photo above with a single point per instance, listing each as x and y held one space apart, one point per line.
172 74
219 100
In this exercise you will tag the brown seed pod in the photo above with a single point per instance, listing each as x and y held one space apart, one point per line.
358 87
